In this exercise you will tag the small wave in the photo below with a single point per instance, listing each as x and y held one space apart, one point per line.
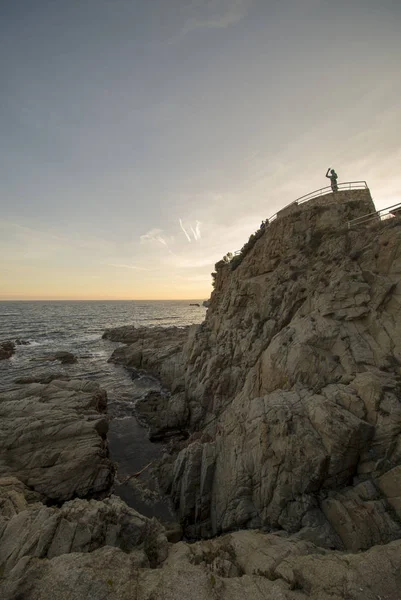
150 319
89 337
45 342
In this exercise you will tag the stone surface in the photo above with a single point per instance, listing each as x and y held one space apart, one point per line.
246 564
156 350
15 497
295 376
43 378
65 358
78 526
53 438
163 413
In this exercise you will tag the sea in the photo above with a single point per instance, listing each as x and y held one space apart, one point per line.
77 327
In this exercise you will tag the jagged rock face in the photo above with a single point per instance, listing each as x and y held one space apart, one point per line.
32 529
299 360
295 376
53 439
246 564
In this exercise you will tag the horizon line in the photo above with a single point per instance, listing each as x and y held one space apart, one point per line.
98 299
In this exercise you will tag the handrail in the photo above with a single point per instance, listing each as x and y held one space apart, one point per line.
370 216
350 185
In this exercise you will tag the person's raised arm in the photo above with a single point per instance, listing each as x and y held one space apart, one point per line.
327 174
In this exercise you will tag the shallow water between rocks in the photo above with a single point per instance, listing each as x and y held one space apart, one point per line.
77 327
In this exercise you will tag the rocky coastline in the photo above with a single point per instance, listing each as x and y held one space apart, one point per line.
281 421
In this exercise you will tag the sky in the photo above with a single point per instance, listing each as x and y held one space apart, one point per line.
141 140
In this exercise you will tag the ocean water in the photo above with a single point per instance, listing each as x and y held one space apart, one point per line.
77 327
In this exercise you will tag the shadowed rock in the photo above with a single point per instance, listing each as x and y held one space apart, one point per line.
52 437
7 349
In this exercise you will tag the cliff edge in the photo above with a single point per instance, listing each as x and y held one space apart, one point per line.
290 389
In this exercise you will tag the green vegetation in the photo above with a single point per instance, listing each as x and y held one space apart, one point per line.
234 260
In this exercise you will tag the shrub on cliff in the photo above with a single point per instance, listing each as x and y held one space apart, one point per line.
220 264
236 261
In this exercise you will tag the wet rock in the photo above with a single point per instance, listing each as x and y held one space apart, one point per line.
65 358
19 342
153 349
44 378
165 415
7 349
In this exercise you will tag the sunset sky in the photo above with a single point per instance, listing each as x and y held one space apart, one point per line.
143 139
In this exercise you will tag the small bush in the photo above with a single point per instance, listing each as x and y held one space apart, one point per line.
236 261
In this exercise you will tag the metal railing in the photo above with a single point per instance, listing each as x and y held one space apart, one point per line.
346 185
380 215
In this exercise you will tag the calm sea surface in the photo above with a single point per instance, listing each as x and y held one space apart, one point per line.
77 327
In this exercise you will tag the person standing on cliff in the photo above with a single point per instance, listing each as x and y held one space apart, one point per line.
333 178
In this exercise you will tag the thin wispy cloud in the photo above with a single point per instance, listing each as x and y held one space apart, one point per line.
195 232
154 235
216 14
123 266
185 231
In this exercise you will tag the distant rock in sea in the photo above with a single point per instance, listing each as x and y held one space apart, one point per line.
66 358
7 349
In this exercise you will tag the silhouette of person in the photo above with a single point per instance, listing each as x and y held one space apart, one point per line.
333 178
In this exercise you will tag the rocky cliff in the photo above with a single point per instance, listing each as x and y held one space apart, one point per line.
283 414
293 383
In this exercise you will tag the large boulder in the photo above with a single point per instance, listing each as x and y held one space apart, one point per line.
78 526
157 350
53 438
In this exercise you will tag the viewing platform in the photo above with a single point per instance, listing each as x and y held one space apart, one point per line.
346 191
